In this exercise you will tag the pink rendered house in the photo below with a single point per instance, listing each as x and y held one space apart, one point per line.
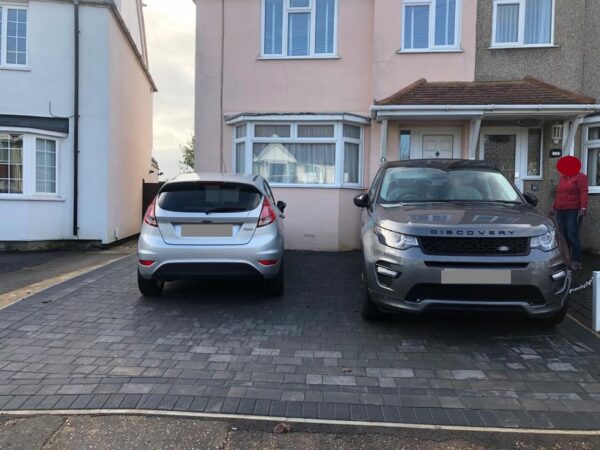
315 94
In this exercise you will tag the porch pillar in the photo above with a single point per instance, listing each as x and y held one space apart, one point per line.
384 136
571 132
474 137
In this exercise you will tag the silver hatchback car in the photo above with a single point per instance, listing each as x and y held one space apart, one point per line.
215 226
450 234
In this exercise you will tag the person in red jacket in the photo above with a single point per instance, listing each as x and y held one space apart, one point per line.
570 204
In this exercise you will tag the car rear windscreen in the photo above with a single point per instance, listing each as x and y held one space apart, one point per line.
202 197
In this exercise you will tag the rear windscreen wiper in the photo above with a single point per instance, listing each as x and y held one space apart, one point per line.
223 209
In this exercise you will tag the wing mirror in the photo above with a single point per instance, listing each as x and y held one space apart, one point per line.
281 205
531 198
362 200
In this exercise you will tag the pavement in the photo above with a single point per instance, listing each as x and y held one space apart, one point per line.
25 273
93 343
63 432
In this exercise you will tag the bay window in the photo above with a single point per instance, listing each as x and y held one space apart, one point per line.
431 25
300 154
299 28
523 23
13 36
28 165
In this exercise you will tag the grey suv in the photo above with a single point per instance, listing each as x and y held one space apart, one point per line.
448 234
212 225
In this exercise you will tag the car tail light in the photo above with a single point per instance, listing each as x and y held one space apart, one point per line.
267 214
150 216
146 262
267 262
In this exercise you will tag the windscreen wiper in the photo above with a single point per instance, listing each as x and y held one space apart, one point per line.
223 209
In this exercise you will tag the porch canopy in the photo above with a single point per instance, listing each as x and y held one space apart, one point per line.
491 101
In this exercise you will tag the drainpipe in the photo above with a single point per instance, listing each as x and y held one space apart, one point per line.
76 120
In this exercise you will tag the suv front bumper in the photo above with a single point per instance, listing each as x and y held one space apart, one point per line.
411 281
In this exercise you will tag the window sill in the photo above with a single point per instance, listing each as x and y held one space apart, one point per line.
30 198
433 50
521 47
285 58
16 68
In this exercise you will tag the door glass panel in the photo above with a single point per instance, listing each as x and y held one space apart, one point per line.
501 149
437 146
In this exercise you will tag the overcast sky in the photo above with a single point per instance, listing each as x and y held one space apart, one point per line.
170 30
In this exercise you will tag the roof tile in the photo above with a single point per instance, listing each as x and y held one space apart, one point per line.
528 91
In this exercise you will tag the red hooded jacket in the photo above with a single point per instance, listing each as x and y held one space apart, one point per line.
572 192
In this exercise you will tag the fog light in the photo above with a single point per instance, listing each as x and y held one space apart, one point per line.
146 262
267 262
559 275
387 272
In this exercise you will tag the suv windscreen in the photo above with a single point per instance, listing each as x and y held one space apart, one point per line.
420 184
204 197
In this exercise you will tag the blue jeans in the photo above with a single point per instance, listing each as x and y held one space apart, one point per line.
569 228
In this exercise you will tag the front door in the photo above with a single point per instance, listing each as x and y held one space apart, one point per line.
502 147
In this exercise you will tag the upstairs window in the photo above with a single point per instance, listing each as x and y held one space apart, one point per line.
299 28
431 25
13 36
523 23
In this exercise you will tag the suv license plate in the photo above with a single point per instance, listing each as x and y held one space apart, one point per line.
206 230
475 276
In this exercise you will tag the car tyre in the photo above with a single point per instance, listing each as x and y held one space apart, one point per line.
150 288
275 286
555 318
368 308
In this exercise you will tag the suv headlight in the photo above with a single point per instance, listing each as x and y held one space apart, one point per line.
395 240
545 242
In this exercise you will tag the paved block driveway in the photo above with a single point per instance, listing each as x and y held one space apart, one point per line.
94 342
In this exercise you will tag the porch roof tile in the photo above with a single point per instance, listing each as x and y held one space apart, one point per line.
528 91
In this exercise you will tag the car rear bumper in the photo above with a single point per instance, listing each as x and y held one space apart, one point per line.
174 262
417 285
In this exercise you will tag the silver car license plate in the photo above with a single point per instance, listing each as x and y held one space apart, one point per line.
206 230
476 276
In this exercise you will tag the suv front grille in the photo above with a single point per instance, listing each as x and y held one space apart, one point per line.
475 293
474 246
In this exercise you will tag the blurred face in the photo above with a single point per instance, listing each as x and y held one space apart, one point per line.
568 166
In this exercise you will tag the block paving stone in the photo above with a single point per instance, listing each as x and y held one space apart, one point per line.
94 342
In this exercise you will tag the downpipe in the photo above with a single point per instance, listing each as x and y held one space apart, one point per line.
76 118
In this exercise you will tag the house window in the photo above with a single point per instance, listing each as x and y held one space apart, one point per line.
45 166
11 164
404 145
13 36
28 165
431 25
352 135
241 133
522 23
299 28
591 157
301 154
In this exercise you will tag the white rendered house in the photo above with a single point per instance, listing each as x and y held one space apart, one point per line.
75 120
